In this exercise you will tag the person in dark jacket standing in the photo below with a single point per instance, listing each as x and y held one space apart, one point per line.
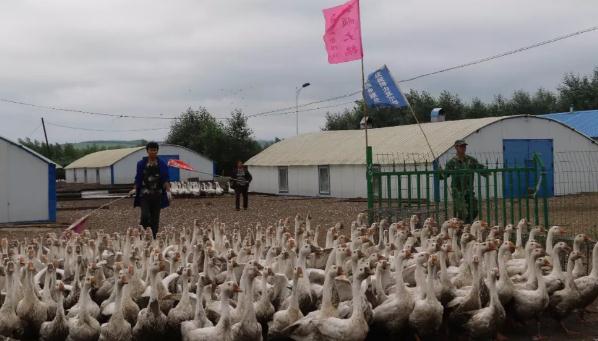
241 179
152 188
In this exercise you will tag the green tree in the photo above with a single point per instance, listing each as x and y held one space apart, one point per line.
240 143
225 143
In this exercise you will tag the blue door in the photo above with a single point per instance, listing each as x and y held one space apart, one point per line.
173 172
519 153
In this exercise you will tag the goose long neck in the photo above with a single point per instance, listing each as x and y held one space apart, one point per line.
118 302
400 284
199 310
83 313
249 313
429 285
494 299
443 271
295 294
541 282
302 259
504 275
519 238
10 297
357 299
556 266
549 238
594 272
570 281
224 321
60 306
265 296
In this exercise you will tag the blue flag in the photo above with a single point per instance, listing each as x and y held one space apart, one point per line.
381 90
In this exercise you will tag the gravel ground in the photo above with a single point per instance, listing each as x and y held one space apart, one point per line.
263 209
267 210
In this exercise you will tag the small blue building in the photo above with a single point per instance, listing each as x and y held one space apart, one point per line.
27 185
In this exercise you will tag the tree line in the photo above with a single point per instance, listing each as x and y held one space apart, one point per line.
574 91
223 142
230 140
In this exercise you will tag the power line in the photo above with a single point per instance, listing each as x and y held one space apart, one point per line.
504 54
293 111
35 130
159 117
460 66
286 109
105 130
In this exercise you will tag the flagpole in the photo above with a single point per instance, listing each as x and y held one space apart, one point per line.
422 130
365 107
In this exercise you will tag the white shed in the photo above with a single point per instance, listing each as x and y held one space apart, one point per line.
332 163
27 185
118 166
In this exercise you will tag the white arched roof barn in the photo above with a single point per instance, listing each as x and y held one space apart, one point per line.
332 163
118 166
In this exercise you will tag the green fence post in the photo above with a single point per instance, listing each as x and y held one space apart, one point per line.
512 198
479 196
418 185
504 199
389 190
520 210
527 193
427 188
446 214
545 197
494 176
487 195
369 172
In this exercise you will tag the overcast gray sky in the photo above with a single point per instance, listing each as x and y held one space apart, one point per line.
160 57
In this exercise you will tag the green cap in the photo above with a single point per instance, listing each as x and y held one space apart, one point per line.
460 143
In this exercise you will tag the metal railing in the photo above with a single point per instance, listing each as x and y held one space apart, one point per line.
500 193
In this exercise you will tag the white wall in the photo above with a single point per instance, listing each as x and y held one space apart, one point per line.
69 175
105 176
346 181
4 180
80 175
23 185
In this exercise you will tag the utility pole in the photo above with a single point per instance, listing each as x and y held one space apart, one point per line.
46 136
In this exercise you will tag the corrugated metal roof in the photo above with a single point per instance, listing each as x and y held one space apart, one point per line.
104 158
31 151
586 122
347 146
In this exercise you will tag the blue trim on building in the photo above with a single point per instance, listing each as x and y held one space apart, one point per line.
112 174
52 192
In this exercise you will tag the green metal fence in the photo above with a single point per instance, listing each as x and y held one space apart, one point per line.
502 193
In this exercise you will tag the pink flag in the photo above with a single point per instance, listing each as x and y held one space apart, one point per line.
343 33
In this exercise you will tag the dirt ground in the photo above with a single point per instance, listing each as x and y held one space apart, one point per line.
266 210
263 209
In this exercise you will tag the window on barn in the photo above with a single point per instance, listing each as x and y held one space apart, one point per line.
97 175
283 179
85 175
75 174
324 179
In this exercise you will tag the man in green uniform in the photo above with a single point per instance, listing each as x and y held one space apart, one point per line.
463 167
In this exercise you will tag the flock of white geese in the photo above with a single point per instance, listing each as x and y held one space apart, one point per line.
404 280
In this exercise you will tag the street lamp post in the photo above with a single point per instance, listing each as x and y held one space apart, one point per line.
297 91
